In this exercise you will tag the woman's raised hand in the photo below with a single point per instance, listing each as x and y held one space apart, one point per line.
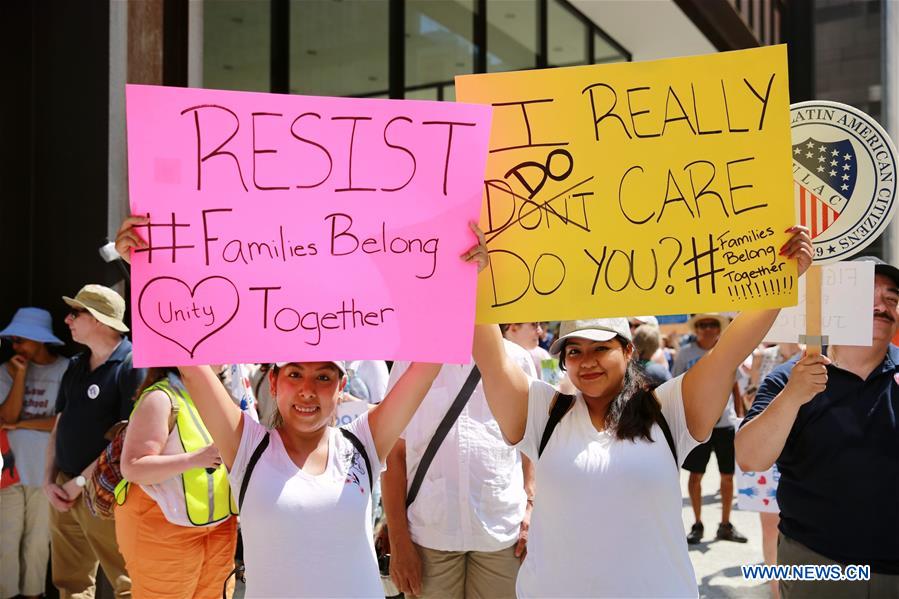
478 252
799 246
127 238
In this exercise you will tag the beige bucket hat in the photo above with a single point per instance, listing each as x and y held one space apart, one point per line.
103 303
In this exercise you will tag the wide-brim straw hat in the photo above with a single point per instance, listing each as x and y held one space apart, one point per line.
722 320
103 303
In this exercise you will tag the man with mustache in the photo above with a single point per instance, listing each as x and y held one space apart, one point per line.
832 425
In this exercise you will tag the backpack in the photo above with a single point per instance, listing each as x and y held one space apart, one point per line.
100 488
562 403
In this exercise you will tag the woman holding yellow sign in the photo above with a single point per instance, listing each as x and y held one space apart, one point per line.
607 519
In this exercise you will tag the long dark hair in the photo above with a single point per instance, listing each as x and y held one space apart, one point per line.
154 375
635 409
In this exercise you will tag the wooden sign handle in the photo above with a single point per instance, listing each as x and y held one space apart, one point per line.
813 338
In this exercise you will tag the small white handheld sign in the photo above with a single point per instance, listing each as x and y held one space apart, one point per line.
845 288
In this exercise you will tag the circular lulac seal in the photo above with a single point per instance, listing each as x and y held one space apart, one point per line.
844 177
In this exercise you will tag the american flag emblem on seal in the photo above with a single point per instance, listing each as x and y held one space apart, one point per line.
834 168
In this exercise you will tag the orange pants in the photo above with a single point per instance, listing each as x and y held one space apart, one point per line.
167 561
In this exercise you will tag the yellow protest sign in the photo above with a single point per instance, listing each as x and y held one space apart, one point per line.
659 187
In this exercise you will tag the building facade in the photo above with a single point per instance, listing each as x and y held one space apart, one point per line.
64 167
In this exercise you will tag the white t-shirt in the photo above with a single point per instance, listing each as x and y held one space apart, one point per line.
688 356
304 535
41 388
607 515
472 497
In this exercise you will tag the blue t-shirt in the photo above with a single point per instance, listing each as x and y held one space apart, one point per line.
839 468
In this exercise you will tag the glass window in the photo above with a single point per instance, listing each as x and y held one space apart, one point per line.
449 93
511 35
566 36
339 48
236 41
425 93
603 51
439 43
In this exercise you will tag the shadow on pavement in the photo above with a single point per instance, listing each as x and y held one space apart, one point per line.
707 590
706 500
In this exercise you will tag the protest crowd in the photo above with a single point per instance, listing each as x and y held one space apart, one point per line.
220 434
543 468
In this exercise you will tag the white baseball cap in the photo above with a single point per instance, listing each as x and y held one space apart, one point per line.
594 329
340 364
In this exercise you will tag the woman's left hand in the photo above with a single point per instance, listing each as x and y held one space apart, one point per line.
799 246
477 253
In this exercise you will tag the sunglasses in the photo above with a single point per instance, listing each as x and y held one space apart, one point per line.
16 340
710 324
75 313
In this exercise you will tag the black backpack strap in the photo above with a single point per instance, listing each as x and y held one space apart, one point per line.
442 430
361 449
561 404
663 424
257 453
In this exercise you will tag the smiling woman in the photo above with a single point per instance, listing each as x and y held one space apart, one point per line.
609 505
306 517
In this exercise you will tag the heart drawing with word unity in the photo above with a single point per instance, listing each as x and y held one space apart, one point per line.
187 316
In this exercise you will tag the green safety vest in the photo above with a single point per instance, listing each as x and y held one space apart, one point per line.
207 496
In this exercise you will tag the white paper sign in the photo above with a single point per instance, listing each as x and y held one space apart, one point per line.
757 491
847 290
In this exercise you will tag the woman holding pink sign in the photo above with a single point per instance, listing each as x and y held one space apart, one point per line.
303 487
306 512
607 519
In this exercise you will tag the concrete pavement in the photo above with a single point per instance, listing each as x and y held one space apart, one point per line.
717 563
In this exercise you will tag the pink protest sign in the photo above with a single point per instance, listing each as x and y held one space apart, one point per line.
288 227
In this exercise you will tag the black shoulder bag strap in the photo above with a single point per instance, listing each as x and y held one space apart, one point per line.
663 424
442 430
257 453
361 449
561 404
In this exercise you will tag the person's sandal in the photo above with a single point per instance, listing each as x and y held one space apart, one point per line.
727 532
695 533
